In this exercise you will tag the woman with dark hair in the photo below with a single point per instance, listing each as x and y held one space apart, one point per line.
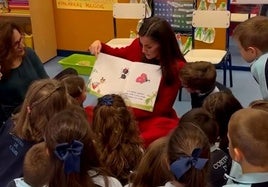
156 44
19 66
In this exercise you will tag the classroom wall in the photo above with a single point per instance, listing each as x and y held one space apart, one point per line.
77 29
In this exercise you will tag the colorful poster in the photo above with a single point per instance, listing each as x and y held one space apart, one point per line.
86 4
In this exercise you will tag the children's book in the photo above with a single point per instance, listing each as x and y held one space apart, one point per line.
136 82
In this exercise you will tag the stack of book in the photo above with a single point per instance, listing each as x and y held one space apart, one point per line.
18 6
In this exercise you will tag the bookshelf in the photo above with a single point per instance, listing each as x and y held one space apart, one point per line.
38 21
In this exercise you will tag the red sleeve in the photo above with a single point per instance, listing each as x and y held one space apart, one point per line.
165 98
133 52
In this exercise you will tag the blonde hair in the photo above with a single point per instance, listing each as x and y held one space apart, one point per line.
248 131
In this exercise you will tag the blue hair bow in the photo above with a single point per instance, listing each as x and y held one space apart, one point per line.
70 155
106 100
183 164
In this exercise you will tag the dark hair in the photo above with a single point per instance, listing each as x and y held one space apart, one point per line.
199 75
159 30
65 127
222 105
183 140
6 49
203 119
65 73
153 169
74 85
117 136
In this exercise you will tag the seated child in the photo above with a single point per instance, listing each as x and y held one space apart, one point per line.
259 104
70 144
248 142
199 79
36 168
76 87
221 106
220 162
152 169
117 136
188 153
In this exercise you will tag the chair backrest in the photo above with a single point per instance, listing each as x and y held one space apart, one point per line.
127 11
211 18
217 19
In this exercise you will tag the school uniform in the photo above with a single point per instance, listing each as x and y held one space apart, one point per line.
249 180
259 70
198 98
100 180
220 163
13 150
19 182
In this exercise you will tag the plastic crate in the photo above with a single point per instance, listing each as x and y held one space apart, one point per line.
83 64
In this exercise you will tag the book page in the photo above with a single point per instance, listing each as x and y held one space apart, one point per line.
137 82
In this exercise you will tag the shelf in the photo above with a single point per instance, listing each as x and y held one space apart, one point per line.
15 14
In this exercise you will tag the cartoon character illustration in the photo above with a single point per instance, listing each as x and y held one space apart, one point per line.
142 78
96 84
125 71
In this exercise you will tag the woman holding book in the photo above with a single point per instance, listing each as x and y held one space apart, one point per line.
156 44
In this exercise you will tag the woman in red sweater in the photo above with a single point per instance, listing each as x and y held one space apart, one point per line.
156 44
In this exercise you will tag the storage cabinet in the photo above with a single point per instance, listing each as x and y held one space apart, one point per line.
39 22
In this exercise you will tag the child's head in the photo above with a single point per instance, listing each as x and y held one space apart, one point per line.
76 87
117 135
203 119
65 73
259 104
43 100
69 141
222 105
199 77
251 36
37 166
152 169
188 154
248 140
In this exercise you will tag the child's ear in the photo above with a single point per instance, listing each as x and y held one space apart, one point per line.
254 51
238 155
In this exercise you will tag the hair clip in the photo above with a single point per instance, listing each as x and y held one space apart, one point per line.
70 155
28 109
183 164
140 23
106 100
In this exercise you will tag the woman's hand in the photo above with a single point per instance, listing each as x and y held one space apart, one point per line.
95 47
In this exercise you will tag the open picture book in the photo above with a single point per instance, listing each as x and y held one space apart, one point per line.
136 82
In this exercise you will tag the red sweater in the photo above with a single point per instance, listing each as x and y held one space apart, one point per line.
158 123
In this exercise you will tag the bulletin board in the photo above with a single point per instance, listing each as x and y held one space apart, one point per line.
177 12
86 4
